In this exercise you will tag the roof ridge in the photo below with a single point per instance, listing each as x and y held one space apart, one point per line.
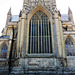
15 15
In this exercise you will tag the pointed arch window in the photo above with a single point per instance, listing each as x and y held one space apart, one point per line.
69 47
40 39
4 51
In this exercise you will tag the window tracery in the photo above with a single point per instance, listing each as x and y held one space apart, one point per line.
69 47
40 40
4 51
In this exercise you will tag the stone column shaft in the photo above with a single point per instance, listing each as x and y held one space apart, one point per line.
62 39
18 38
22 33
58 34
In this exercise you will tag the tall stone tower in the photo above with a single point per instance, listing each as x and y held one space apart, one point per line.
70 15
40 38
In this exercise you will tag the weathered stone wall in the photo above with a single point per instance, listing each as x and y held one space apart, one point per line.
71 61
39 64
3 66
3 63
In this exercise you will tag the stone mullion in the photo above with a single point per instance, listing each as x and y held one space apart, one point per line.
36 44
33 35
49 36
31 38
72 48
38 36
46 34
67 48
44 37
41 35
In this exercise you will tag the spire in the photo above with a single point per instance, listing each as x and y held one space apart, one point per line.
9 12
69 10
70 15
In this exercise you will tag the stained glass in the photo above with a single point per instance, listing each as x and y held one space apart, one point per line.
69 47
4 51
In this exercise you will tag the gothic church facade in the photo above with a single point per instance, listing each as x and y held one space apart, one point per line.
39 39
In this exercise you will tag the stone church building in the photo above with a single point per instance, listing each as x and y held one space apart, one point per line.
40 39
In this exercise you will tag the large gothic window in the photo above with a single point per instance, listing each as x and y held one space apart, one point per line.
69 47
40 34
4 51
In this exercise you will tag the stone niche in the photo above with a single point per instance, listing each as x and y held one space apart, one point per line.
71 61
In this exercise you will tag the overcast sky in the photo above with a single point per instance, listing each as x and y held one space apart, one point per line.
16 6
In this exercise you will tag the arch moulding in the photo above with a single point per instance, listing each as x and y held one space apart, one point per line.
31 13
69 36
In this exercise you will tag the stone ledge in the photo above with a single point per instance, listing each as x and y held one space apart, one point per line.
2 59
39 56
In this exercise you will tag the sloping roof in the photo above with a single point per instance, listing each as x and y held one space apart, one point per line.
4 36
64 17
14 18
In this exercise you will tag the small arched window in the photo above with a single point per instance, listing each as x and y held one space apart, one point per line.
69 47
4 51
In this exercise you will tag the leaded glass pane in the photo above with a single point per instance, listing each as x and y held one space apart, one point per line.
4 51
39 13
40 34
69 47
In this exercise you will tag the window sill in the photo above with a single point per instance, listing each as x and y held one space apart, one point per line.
3 59
40 55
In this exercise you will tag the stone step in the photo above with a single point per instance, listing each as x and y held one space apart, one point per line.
17 70
20 70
